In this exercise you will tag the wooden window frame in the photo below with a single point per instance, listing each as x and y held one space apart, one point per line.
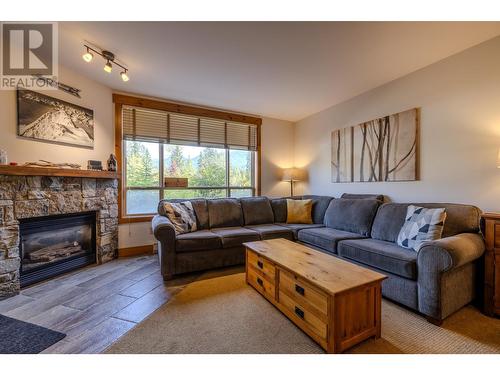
120 100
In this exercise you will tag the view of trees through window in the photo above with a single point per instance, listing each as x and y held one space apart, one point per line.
211 173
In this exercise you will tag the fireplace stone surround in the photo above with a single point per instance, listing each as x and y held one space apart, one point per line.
37 196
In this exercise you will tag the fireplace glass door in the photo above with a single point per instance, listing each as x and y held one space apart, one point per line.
53 245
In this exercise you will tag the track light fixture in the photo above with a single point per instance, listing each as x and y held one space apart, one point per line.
110 60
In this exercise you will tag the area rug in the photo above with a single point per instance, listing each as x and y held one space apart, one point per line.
18 337
224 315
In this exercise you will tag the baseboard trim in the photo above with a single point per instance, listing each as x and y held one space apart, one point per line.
136 250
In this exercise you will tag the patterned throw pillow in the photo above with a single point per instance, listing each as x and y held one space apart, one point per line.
421 225
181 215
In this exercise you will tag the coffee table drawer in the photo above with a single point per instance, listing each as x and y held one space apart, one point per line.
299 313
303 292
263 285
261 264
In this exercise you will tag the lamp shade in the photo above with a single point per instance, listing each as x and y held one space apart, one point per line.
498 158
292 174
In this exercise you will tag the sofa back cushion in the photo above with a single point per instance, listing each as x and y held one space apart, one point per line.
257 210
460 218
352 215
378 197
320 205
224 212
200 209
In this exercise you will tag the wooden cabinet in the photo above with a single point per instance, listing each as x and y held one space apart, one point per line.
491 229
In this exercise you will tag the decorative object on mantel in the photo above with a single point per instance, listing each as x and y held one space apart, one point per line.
384 149
49 164
61 86
112 163
110 60
292 175
94 165
48 119
3 157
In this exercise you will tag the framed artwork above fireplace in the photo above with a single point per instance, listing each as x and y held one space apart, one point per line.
43 118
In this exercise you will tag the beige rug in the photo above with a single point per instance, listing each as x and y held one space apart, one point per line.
224 315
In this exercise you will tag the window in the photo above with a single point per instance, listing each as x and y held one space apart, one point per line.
218 152
211 173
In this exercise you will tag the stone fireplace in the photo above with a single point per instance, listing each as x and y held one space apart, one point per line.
23 198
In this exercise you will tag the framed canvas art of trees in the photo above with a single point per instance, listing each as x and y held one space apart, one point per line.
384 149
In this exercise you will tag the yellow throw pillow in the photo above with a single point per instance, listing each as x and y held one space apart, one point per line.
299 211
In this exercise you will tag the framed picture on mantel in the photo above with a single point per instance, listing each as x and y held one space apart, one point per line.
384 149
48 119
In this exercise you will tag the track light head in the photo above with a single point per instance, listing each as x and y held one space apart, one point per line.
88 56
124 76
108 67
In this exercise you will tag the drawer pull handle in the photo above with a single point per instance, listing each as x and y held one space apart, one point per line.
260 264
259 281
299 289
299 312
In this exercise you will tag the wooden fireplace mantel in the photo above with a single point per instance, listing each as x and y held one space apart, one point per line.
53 172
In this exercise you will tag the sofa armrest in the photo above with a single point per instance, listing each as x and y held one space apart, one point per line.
441 258
163 229
450 252
164 232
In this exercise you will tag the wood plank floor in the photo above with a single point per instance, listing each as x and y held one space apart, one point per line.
96 305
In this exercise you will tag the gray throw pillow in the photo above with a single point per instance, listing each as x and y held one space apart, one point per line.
181 215
421 225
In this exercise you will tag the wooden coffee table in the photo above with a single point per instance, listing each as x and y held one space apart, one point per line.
336 303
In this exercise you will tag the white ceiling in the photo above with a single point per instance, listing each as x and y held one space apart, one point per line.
284 70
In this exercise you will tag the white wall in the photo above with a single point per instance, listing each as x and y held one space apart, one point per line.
94 96
277 153
135 234
460 131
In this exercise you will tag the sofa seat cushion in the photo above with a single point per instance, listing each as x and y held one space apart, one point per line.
325 238
386 256
197 241
235 236
295 228
270 231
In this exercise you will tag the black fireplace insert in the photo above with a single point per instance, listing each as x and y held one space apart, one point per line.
52 245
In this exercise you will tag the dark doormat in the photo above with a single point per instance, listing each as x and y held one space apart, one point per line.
18 337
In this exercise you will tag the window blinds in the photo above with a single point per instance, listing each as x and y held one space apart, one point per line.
143 124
